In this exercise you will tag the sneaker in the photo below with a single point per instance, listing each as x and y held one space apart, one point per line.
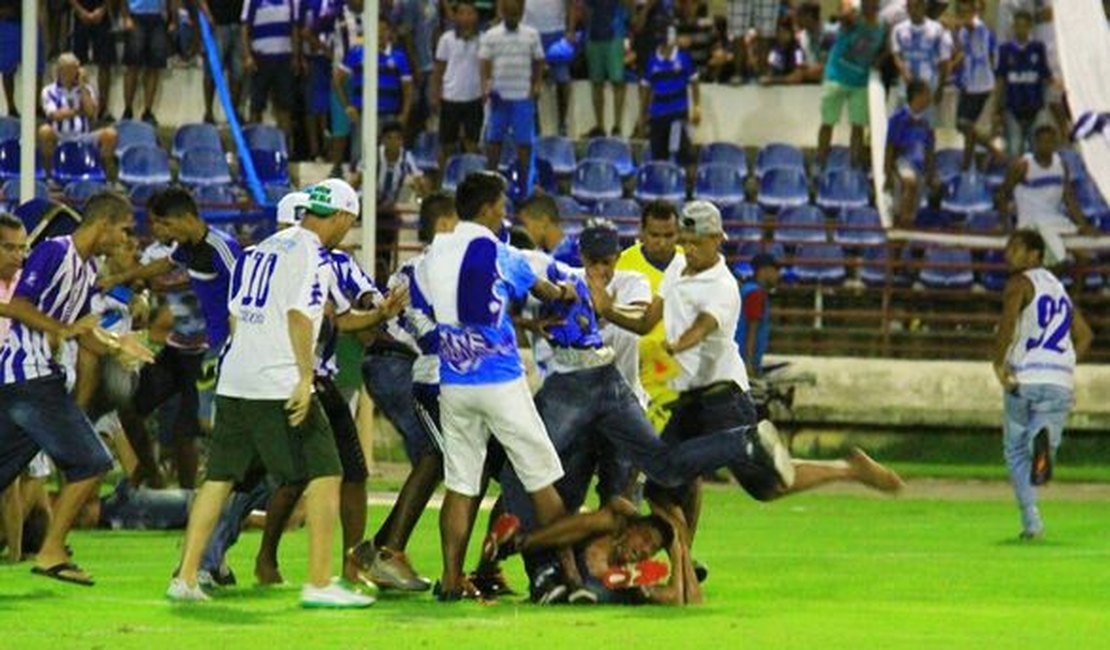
641 574
1031 535
333 596
582 596
771 444
701 572
547 588
1041 472
148 117
183 593
498 543
491 582
391 570
127 114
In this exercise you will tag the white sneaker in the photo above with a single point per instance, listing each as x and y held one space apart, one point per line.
334 596
205 580
181 592
771 443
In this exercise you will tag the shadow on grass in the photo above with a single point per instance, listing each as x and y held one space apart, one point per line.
1015 542
213 612
27 597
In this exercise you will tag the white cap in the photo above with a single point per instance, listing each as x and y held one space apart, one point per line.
287 214
701 218
330 196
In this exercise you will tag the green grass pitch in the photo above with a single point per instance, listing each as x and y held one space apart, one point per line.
815 571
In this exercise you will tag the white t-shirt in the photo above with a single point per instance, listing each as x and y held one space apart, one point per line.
546 16
714 292
462 79
627 288
512 54
290 270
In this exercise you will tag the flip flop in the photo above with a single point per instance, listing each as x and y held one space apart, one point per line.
59 571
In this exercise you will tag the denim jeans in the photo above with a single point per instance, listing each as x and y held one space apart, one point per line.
230 524
130 508
1029 409
388 380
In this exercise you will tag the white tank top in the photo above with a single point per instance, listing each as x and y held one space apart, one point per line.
1040 194
1042 351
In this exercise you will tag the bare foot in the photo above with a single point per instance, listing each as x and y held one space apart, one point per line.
267 574
350 570
873 474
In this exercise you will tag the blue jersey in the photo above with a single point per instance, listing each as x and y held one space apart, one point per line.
578 328
755 308
211 264
910 135
670 79
1024 68
59 283
470 278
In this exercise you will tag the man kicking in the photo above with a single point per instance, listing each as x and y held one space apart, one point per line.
265 403
50 305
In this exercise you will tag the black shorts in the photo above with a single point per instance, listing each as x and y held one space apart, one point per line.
148 43
660 133
460 119
970 107
174 372
273 78
721 407
97 39
344 429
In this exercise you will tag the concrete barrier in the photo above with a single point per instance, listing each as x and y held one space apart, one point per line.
949 394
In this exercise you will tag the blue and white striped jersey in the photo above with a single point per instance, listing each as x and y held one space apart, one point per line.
56 97
271 25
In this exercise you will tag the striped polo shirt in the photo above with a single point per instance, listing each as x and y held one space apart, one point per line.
669 78
271 25
512 53
56 97
59 283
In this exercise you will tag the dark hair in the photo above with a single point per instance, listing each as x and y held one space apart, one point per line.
520 239
9 220
666 531
1044 129
540 205
477 190
171 202
785 22
392 126
433 208
105 205
1030 239
915 88
658 209
1023 15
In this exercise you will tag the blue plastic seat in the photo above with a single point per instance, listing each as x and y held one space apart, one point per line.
77 161
994 278
79 191
725 153
779 156
459 167
264 136
142 192
614 150
783 188
144 165
947 268
133 133
425 151
860 226
984 223
820 263
559 152
9 161
743 222
545 177
949 164
967 194
195 136
804 224
660 180
873 269
9 128
617 209
719 183
10 191
1090 200
221 195
569 208
932 219
841 189
204 167
840 157
271 166
1077 169
595 180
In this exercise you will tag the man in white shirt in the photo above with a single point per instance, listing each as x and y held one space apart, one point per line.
553 19
70 105
456 89
922 49
265 402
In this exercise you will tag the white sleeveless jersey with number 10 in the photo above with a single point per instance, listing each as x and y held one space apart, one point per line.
1042 351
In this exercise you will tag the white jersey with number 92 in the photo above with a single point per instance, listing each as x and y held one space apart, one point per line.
1042 350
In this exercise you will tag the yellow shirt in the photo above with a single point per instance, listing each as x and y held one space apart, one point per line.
656 367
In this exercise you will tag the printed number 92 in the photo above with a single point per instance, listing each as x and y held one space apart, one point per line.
1048 309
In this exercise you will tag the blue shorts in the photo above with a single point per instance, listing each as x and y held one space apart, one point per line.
317 90
517 117
39 415
560 72
11 35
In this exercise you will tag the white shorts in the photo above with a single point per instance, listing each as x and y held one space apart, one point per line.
39 466
470 413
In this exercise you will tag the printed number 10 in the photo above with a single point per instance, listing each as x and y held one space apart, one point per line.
258 289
